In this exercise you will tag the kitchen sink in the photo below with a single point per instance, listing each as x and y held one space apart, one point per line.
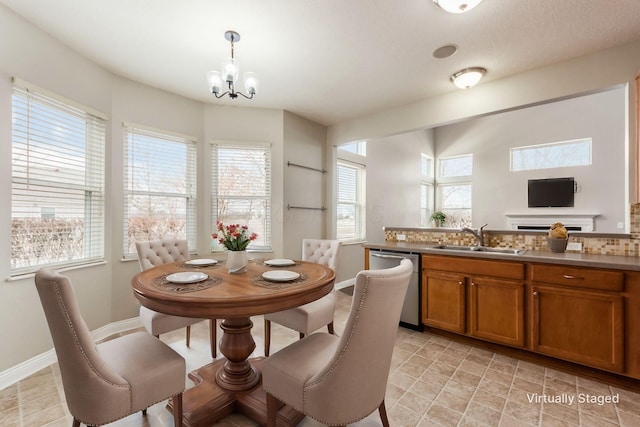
508 251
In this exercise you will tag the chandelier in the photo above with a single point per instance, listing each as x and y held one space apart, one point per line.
229 75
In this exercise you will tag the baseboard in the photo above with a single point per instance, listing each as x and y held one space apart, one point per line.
41 361
345 283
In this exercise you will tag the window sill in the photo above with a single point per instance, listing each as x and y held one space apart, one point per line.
32 274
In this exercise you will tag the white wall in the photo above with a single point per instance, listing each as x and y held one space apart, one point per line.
497 190
393 181
605 69
393 175
44 62
303 145
104 291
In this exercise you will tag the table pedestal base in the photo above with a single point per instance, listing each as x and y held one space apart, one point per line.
207 402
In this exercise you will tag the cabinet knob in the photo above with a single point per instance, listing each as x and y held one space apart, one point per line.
535 293
568 276
460 283
473 283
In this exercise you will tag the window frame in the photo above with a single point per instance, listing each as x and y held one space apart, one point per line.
147 135
264 236
427 189
359 204
443 182
540 147
77 134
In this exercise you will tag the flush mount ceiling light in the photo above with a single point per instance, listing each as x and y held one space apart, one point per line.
457 6
464 79
229 75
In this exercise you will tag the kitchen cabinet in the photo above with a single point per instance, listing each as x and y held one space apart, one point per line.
480 298
577 314
496 310
443 303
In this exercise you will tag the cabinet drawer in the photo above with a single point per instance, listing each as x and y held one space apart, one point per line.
578 277
479 267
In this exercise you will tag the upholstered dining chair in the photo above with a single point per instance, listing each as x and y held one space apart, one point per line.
314 315
157 252
340 380
108 381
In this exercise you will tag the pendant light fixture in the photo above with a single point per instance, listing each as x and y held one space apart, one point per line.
229 75
464 79
457 6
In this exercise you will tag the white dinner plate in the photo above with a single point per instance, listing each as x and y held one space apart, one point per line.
280 275
201 262
279 262
187 277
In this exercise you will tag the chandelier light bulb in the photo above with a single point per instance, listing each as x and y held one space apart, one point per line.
229 70
215 81
251 83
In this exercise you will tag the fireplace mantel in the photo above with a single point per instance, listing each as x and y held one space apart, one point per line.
582 221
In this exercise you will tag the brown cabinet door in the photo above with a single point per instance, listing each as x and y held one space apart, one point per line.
497 310
581 326
443 300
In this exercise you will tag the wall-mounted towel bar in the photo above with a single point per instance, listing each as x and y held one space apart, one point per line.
304 207
306 167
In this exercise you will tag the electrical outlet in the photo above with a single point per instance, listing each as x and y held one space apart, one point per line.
574 246
401 237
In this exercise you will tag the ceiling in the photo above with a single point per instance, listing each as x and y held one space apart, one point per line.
329 60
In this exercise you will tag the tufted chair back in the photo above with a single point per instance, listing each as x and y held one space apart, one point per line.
157 252
340 380
108 381
321 251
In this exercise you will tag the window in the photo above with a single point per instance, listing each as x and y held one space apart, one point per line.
241 189
426 203
459 166
455 200
454 189
159 187
359 148
57 181
426 190
350 206
554 155
426 167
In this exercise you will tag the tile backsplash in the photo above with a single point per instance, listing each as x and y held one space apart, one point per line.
592 243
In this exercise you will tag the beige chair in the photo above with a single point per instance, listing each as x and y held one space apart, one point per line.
313 316
106 382
340 380
152 254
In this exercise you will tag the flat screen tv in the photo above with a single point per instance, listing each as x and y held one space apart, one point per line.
553 192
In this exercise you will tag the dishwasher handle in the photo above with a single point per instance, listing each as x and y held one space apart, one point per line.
387 256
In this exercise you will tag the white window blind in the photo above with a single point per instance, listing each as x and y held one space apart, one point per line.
57 188
350 203
241 189
159 187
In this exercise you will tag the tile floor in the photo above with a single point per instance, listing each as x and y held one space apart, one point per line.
433 382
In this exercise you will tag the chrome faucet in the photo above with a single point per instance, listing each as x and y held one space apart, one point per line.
477 234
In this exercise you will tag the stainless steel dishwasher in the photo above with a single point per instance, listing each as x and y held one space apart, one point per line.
378 260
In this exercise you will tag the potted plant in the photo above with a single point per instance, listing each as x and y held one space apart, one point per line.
235 238
438 218
558 238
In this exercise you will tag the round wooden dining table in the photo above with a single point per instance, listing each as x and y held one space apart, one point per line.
232 384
